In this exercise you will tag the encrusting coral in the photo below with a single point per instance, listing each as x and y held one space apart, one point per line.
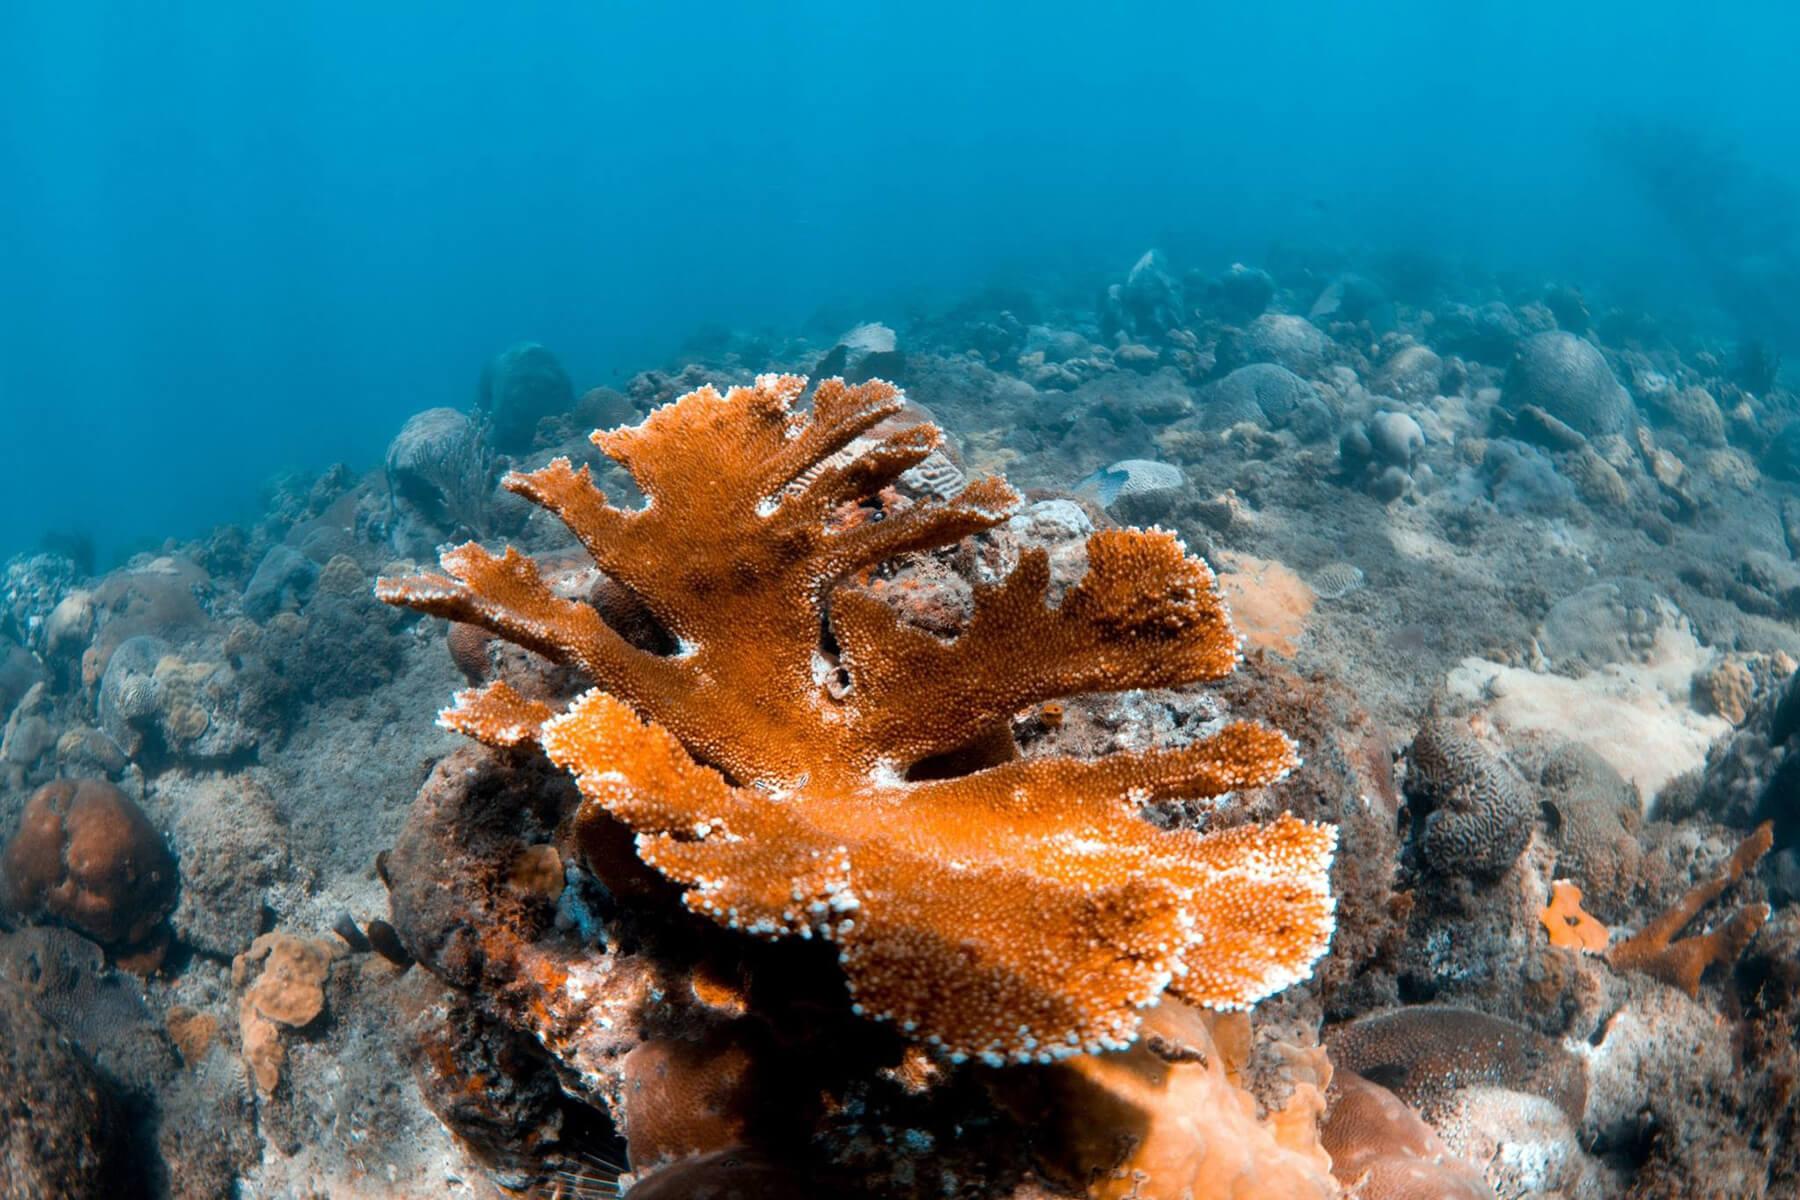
290 991
1569 925
1023 911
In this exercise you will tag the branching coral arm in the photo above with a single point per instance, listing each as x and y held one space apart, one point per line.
497 716
1144 615
506 594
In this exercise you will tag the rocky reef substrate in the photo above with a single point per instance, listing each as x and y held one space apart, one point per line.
1515 572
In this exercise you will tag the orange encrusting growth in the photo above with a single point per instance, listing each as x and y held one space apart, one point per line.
1025 911
1570 925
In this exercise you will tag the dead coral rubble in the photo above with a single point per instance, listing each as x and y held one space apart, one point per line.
1021 912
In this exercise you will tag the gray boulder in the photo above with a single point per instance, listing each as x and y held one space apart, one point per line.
1242 292
1289 341
1137 490
1486 334
519 388
869 351
439 475
1267 395
1569 379
1148 302
283 580
1410 373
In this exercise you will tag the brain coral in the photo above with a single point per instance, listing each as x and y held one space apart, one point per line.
1020 912
1570 380
1479 816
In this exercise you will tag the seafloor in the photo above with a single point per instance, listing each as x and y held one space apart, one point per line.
1516 572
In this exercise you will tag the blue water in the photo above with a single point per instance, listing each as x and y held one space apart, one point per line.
240 238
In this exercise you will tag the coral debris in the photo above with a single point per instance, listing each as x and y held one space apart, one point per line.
1021 912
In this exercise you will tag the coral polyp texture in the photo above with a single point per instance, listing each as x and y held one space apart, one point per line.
1021 911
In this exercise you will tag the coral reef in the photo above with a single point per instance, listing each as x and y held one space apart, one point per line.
1067 913
1550 531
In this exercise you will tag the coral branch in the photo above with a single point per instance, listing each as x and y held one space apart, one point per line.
1145 615
1025 911
1681 963
506 595
497 716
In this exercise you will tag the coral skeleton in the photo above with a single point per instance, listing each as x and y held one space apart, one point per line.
1024 911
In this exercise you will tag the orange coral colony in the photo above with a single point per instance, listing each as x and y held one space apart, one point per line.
1570 925
1022 912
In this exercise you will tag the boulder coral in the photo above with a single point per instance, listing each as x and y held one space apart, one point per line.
87 856
789 764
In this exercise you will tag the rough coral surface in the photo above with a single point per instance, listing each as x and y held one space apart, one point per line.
1381 1150
1426 1052
1023 911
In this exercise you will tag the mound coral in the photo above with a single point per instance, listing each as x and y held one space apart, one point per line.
785 763
85 854
1425 1053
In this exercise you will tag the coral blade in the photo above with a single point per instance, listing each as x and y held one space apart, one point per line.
497 716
